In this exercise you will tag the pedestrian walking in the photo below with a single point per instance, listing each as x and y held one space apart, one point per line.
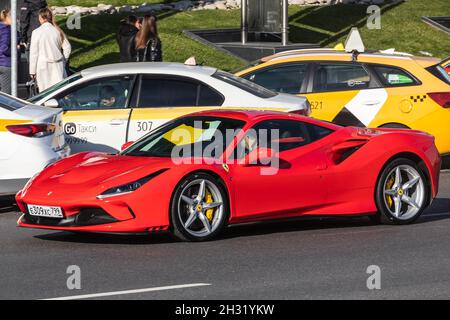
5 51
147 43
48 52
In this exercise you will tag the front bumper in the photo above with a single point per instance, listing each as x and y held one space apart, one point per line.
86 217
90 215
67 224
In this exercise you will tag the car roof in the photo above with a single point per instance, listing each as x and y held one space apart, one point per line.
147 67
292 54
240 114
249 115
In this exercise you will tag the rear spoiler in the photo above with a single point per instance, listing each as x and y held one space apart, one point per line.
401 130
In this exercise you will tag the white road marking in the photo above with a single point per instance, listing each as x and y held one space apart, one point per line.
119 293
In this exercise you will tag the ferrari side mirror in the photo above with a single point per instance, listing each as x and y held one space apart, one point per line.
126 145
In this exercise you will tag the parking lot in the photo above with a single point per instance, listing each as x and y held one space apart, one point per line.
284 260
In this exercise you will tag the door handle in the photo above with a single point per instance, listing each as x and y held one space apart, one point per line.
371 102
117 122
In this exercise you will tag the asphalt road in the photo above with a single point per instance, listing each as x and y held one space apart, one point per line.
286 260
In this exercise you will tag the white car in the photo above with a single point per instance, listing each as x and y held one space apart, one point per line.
106 106
31 138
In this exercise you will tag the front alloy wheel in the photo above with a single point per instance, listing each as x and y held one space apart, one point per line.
199 208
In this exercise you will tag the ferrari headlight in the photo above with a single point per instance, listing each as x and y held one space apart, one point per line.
129 187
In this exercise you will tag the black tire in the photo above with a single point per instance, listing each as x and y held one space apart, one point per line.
177 226
384 215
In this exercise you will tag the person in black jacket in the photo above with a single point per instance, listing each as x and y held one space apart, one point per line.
147 44
29 19
128 29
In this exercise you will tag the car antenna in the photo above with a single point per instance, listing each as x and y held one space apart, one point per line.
354 43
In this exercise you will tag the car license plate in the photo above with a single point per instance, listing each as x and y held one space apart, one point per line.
44 211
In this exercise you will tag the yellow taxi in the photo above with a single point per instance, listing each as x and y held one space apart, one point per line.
360 88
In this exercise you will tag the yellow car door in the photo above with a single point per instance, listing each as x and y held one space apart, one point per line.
344 93
163 98
96 114
407 98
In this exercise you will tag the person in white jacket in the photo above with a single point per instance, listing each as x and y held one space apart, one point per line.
49 50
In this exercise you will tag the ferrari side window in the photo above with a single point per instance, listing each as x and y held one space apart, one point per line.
340 76
278 134
285 79
318 132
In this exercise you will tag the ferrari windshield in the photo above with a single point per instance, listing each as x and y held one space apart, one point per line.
188 137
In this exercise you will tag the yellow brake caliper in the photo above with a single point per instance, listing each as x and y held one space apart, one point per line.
210 212
389 185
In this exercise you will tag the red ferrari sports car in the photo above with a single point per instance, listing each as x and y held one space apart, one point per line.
201 172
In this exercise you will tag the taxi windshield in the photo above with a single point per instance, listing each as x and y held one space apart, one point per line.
187 137
56 87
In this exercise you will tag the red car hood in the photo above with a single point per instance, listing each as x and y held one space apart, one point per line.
102 168
96 170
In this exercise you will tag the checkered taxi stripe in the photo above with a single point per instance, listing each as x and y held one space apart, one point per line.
418 98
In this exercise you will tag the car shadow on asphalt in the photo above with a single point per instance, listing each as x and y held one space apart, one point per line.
101 238
439 210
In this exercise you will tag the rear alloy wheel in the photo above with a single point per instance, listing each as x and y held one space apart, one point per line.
199 208
402 192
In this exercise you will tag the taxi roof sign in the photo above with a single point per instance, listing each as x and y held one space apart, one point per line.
354 42
191 61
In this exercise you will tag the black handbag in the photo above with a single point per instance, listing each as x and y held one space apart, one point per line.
32 88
